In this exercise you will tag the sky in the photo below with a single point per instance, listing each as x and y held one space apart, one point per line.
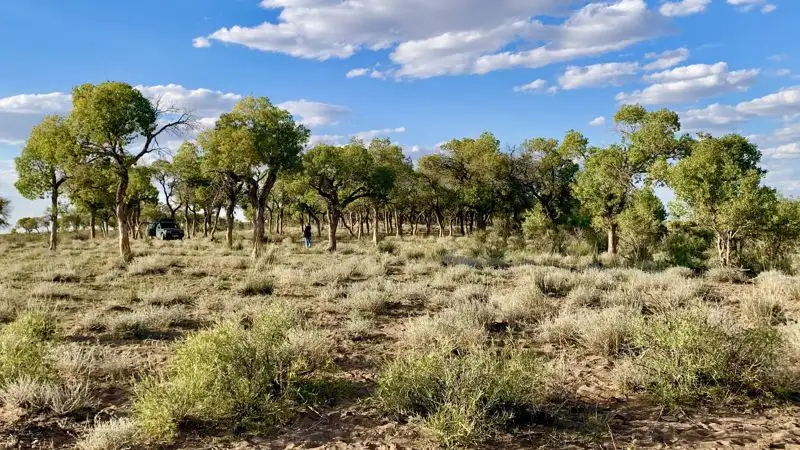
420 72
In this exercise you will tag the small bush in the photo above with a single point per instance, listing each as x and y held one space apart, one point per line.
369 298
685 355
234 376
164 295
151 265
359 326
24 351
116 434
462 399
726 275
553 282
256 286
144 322
387 246
523 305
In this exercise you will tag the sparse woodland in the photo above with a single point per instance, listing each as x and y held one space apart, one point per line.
540 296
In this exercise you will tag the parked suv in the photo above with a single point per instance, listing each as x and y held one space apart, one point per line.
164 229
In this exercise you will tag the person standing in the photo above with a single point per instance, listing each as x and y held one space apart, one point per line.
307 235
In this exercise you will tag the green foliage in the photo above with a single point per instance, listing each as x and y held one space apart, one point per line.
29 223
257 286
462 399
772 246
685 356
721 182
24 352
642 225
685 245
49 155
234 376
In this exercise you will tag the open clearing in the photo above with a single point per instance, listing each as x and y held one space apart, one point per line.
565 353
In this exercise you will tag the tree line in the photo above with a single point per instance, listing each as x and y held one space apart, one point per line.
559 193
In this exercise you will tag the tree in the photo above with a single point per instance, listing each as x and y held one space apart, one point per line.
642 225
720 181
439 192
5 211
545 170
342 175
188 171
475 168
92 189
776 241
400 192
164 176
28 224
612 174
115 122
255 143
45 163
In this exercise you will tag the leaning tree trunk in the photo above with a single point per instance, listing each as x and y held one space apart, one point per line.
229 211
333 215
122 218
216 222
54 220
612 239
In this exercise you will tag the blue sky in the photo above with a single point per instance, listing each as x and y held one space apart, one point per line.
418 71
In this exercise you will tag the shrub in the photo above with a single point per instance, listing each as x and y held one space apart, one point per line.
368 298
164 295
256 286
116 434
523 305
24 351
232 375
151 265
359 326
685 355
553 282
144 322
726 275
461 399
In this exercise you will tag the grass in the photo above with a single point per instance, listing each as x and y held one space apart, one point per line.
233 376
456 344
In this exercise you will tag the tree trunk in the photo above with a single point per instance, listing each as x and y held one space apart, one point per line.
54 220
258 230
92 225
216 222
612 239
375 237
229 211
333 216
398 220
122 217
360 225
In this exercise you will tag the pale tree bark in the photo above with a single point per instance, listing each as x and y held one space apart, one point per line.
612 239
122 217
54 219
375 236
333 226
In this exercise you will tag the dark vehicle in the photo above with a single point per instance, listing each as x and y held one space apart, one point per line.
164 229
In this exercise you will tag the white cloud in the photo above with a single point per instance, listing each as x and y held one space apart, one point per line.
538 85
54 102
201 42
357 73
784 103
684 7
747 5
201 102
783 151
367 136
314 114
448 37
598 121
606 74
768 8
667 59
778 58
689 83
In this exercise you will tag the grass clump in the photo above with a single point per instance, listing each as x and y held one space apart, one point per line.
235 376
256 286
151 265
24 350
115 434
461 400
686 355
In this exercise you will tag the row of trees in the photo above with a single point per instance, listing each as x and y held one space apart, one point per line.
256 158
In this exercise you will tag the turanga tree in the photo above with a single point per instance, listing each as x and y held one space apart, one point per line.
115 122
255 143
45 164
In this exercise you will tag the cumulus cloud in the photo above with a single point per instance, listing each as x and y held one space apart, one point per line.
598 121
538 85
689 83
667 59
366 136
606 74
684 7
783 103
449 37
357 73
749 5
314 114
201 102
786 151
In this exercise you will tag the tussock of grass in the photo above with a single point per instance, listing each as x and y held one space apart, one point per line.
233 376
523 305
726 275
115 434
152 265
371 298
165 295
687 355
144 322
462 400
256 285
